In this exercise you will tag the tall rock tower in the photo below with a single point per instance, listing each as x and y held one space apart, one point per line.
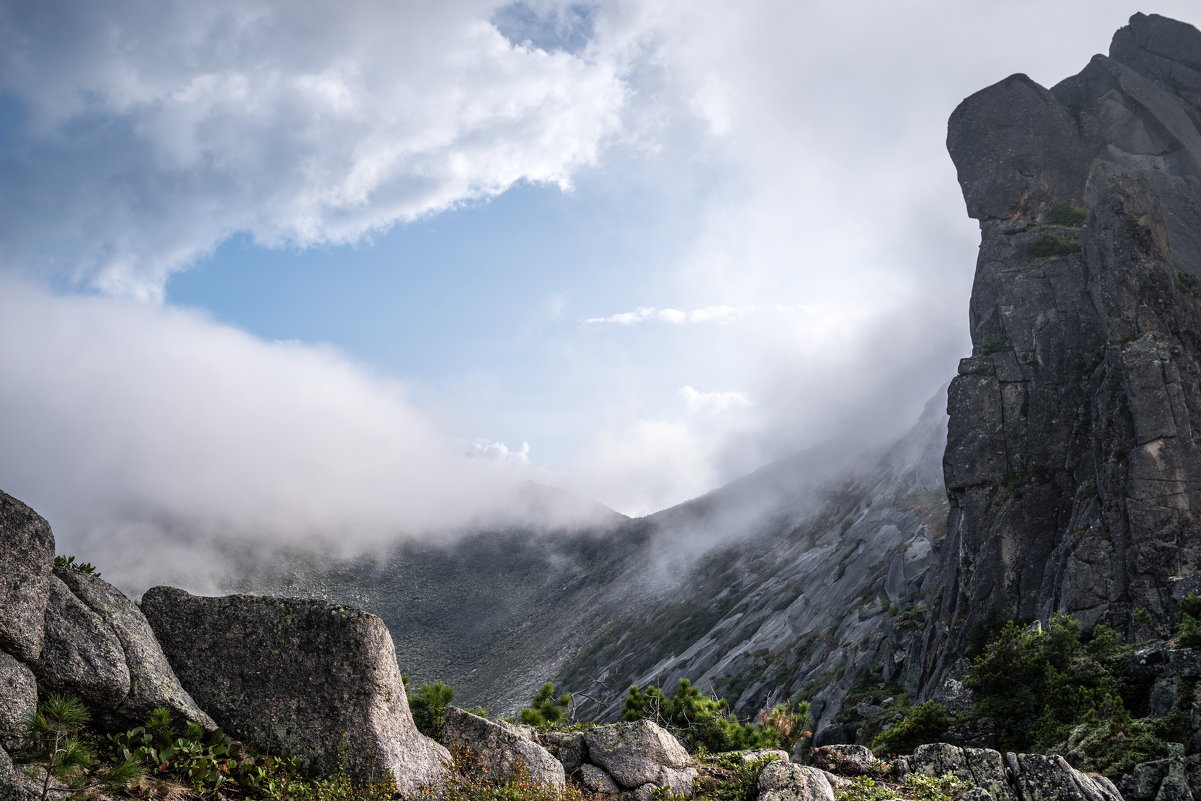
1073 462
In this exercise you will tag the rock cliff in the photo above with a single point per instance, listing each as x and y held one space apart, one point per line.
1073 463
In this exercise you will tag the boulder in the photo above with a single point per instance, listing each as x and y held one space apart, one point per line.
852 760
502 751
757 754
26 556
315 679
595 781
982 767
641 753
151 683
569 748
8 779
788 781
1039 777
80 654
18 700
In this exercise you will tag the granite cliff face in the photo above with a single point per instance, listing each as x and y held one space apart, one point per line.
1073 462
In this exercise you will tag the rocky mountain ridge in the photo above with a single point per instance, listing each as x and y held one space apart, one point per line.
1073 463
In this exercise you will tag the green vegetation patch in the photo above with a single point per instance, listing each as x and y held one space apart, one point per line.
702 721
1065 214
1051 245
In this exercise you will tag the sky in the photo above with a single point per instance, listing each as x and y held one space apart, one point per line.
343 272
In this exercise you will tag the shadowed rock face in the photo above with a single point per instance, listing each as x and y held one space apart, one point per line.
1073 465
100 647
307 677
26 554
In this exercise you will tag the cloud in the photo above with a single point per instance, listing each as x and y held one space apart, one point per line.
696 400
153 439
492 451
706 314
140 135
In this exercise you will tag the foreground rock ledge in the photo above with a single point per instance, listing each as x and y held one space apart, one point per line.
306 677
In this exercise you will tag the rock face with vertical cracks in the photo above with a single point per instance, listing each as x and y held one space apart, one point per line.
314 679
1073 461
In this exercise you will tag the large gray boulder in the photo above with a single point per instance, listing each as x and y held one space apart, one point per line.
788 781
151 681
502 751
8 786
981 767
80 655
18 699
640 753
306 677
852 760
26 556
1041 777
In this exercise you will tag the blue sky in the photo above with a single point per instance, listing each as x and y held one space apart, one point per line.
345 274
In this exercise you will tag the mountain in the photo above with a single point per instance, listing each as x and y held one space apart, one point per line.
1072 467
1073 463
749 588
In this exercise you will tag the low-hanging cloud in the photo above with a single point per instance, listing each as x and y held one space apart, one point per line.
153 439
140 135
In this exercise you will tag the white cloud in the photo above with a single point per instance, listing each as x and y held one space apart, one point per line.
149 132
499 452
696 400
144 433
705 314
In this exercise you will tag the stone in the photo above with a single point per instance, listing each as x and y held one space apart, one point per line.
594 780
81 655
641 753
502 751
26 556
571 751
851 760
788 781
152 682
758 754
8 780
18 700
1039 777
307 677
981 767
1175 785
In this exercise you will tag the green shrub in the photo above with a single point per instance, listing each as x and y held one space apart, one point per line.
702 721
1050 244
924 723
1114 746
545 710
80 567
1066 215
731 778
1188 621
1035 684
53 737
428 706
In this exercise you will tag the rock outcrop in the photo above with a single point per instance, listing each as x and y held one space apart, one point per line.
640 755
1073 462
787 781
503 751
308 677
18 699
26 556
